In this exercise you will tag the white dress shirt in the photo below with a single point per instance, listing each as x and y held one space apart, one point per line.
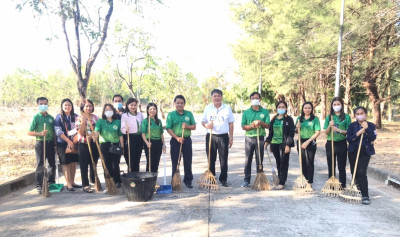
221 118
131 121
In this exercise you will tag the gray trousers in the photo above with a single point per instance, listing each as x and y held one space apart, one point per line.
251 147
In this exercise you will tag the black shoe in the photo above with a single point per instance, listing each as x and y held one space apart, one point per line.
70 189
76 186
39 189
365 201
118 184
189 185
224 183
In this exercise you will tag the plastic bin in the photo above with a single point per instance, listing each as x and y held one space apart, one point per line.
139 186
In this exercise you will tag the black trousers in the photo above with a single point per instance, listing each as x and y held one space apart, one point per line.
156 150
85 161
136 148
112 161
340 149
282 161
51 161
186 157
220 144
251 147
361 179
307 160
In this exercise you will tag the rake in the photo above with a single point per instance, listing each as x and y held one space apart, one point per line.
45 185
176 179
300 184
261 182
207 180
351 193
332 186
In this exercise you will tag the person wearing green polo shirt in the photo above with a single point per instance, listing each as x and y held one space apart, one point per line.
177 121
310 129
155 142
339 125
109 130
37 130
253 119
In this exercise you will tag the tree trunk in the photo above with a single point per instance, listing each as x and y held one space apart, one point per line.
369 84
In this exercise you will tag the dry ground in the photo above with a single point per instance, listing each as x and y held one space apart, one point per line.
17 149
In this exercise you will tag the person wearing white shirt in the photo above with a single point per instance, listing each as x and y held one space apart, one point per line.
218 119
130 124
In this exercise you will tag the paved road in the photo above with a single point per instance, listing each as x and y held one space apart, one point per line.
231 211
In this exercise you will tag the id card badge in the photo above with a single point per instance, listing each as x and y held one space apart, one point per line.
72 132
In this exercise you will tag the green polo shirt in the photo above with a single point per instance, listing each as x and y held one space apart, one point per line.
308 127
250 115
37 125
155 130
343 125
277 138
175 120
109 131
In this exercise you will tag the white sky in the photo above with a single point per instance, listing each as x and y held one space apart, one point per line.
197 34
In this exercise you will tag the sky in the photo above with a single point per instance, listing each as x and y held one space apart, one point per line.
198 35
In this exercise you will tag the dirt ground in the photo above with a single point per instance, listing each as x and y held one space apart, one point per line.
17 155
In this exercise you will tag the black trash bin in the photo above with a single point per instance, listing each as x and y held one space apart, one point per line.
139 186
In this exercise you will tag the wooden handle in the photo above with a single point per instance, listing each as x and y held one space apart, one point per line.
356 164
333 151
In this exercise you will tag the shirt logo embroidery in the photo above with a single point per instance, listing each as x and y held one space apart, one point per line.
115 127
309 123
187 119
50 120
262 115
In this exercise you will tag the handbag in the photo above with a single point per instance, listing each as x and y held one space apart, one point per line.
116 149
74 149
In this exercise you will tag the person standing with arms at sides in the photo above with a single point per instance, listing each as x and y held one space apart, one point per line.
118 101
361 126
66 130
339 125
84 141
109 129
37 130
218 119
253 119
281 133
130 126
156 144
310 129
177 121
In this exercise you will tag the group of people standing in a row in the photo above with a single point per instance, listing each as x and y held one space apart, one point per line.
116 124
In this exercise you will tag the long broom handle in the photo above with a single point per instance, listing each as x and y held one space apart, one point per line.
44 147
259 153
300 151
129 152
209 151
149 131
333 151
100 153
165 170
358 155
91 154
180 152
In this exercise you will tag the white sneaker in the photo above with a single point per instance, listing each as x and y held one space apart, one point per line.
279 187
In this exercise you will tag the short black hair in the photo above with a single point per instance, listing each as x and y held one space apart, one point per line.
255 93
41 98
281 102
218 91
118 95
360 107
180 97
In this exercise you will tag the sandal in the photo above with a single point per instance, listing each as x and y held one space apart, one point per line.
88 190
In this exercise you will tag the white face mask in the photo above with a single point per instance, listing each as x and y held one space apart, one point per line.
337 108
360 118
255 102
108 114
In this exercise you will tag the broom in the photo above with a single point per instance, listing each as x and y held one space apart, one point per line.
300 184
176 179
97 183
110 184
332 187
45 185
351 193
261 182
275 177
207 180
129 150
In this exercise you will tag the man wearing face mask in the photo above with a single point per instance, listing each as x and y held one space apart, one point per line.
118 101
36 129
253 119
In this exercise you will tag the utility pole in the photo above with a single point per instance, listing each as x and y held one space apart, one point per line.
339 55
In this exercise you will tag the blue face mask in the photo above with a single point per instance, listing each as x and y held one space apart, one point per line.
118 105
43 108
281 111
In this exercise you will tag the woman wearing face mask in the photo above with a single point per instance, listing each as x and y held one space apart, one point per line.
156 144
109 129
361 126
310 129
66 130
130 125
339 126
281 133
